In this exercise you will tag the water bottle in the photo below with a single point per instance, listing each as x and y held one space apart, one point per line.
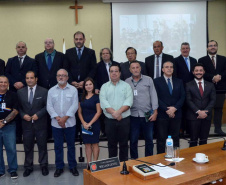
169 147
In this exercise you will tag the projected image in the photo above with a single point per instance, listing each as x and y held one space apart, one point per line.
140 31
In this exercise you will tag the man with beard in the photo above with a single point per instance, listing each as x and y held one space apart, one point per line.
215 72
201 97
62 104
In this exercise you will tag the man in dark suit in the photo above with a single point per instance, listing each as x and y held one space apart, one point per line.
184 65
215 72
80 62
171 95
48 63
200 98
155 62
2 67
32 107
131 54
16 69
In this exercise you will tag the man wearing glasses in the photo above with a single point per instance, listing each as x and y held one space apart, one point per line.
62 104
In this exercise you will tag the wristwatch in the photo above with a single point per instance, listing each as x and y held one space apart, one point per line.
4 121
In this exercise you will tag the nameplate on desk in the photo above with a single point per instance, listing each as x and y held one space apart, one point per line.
104 164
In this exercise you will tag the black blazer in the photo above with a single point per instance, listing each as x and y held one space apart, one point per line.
150 61
195 102
101 76
182 69
38 107
85 67
15 73
125 72
46 78
2 67
210 71
165 99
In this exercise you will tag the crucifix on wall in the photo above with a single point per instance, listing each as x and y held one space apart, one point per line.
76 7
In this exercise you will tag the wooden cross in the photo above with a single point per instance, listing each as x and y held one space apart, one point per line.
76 7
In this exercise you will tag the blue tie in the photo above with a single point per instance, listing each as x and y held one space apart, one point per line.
49 61
79 54
186 60
31 96
170 86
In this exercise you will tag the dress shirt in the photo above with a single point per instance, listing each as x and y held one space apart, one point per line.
52 56
29 91
202 84
116 96
215 58
171 81
62 102
160 65
22 60
189 64
146 98
81 50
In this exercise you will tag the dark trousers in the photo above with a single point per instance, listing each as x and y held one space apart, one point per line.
199 129
166 127
218 110
118 132
29 140
102 123
138 125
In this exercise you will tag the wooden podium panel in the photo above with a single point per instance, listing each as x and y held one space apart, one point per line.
195 174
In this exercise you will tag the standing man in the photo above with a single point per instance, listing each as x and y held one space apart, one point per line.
16 69
48 63
171 95
80 62
62 104
116 98
155 62
8 111
215 72
200 97
32 107
145 100
131 54
184 65
2 67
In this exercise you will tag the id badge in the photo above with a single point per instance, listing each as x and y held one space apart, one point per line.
3 105
135 92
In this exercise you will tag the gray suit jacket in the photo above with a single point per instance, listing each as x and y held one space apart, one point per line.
38 107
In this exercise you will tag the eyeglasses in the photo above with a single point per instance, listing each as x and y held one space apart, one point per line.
210 46
61 76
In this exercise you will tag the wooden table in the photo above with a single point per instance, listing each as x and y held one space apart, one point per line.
195 174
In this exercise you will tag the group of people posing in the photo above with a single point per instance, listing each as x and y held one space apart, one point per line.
72 90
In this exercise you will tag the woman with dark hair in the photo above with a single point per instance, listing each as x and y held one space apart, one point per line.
89 112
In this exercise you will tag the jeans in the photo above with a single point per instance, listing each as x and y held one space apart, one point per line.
8 139
138 124
58 135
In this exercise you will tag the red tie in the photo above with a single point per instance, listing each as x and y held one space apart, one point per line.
200 89
213 61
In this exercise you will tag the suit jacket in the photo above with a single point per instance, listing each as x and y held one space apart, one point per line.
210 71
2 67
15 73
38 107
46 77
85 67
197 102
165 99
101 76
150 61
125 72
182 70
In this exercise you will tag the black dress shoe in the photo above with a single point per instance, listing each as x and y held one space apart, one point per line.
220 132
58 172
45 171
74 171
27 172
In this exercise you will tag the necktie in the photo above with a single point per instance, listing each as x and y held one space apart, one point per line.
170 86
49 61
79 54
186 61
31 96
200 88
213 61
20 61
157 67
